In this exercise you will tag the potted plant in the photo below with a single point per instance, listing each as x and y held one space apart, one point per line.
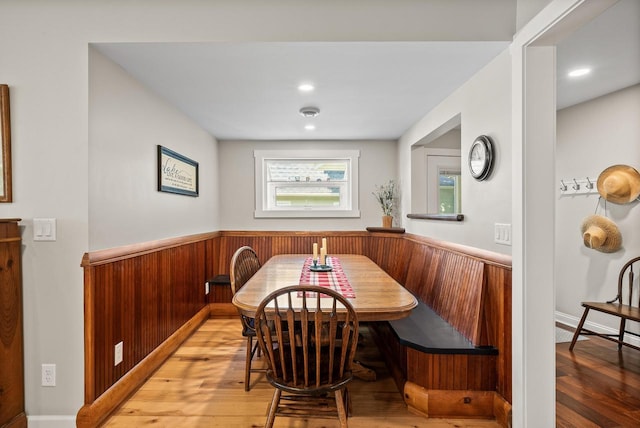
385 195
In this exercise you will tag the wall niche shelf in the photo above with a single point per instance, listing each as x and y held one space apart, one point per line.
386 229
440 217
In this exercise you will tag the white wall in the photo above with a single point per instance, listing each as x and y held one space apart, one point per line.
377 164
484 103
126 123
591 137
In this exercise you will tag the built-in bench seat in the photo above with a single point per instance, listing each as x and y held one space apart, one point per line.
446 355
426 331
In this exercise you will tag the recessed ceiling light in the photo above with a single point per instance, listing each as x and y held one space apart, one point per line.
309 111
306 87
309 127
579 72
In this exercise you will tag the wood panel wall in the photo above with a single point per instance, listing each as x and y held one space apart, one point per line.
144 294
138 295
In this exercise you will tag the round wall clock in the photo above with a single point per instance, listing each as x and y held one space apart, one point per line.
481 158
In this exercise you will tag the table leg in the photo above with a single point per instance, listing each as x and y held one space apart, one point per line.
363 373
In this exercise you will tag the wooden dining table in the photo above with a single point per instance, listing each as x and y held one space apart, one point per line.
376 295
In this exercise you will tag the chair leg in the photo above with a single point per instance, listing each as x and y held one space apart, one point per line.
347 401
578 329
247 369
275 402
342 413
623 322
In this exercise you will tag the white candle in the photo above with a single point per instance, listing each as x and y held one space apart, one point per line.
323 256
324 245
315 251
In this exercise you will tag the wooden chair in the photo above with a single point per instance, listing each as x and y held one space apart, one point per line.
615 307
310 349
244 264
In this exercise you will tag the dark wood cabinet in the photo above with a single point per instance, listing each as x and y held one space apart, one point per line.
11 340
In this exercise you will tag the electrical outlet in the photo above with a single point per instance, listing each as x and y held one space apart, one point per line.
117 354
48 375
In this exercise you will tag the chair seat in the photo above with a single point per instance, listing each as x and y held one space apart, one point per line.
616 309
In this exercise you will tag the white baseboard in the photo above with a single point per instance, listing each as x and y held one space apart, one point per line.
51 421
566 319
572 321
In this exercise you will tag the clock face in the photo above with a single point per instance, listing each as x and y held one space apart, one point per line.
477 158
481 158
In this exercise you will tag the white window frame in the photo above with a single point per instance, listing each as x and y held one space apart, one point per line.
262 210
438 160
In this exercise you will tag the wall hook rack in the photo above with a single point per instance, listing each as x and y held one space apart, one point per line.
580 186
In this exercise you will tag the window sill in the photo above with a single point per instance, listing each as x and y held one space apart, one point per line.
441 217
307 214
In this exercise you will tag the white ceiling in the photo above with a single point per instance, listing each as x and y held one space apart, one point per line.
610 46
364 90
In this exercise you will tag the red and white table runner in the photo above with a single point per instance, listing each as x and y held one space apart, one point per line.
336 279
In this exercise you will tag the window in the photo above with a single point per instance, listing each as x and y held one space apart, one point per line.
449 194
443 181
306 183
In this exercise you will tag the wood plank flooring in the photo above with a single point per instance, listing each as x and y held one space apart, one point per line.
201 385
597 386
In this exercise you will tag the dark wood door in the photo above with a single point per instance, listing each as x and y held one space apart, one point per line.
11 341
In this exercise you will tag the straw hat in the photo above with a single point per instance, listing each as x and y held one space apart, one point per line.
619 184
601 234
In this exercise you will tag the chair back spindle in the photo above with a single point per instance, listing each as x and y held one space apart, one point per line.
631 286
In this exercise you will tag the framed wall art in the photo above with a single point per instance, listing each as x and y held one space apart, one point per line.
5 140
176 173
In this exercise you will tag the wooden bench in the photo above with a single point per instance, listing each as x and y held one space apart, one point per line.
442 355
426 331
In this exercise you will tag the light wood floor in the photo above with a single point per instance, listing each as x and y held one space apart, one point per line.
202 385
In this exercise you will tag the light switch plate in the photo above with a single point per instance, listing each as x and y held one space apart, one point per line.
502 233
44 229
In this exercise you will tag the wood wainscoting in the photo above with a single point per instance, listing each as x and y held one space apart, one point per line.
151 297
148 296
